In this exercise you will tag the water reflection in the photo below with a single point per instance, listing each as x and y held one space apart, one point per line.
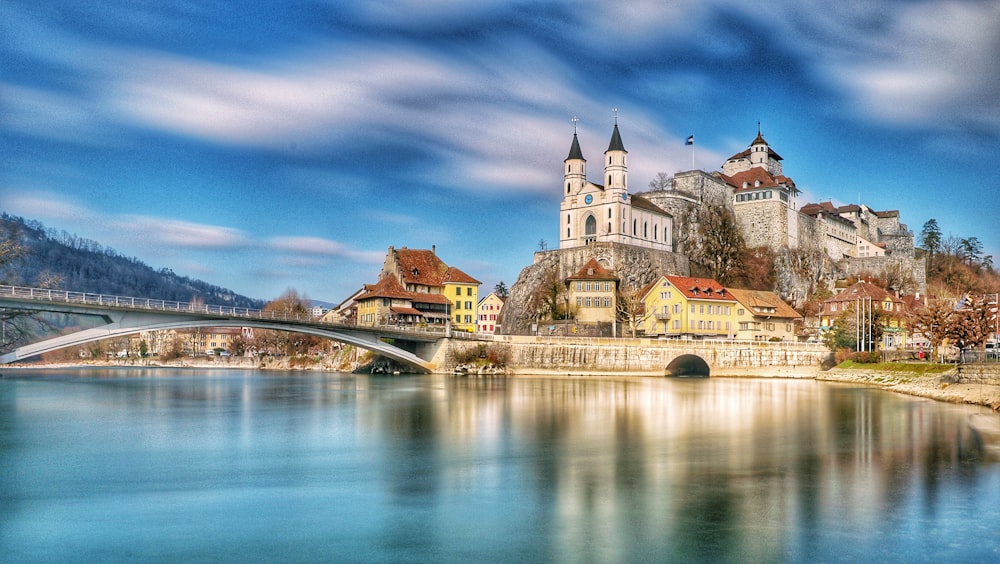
438 468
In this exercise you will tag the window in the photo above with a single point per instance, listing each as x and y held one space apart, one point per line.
458 305
587 286
607 286
677 308
468 319
458 291
692 308
468 291
590 227
579 286
458 319
701 308
607 302
586 302
468 305
677 324
579 302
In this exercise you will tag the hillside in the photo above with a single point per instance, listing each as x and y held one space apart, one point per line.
73 263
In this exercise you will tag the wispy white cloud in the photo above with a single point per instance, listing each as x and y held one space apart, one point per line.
322 247
178 234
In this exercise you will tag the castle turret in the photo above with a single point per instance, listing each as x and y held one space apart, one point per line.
576 168
616 163
758 151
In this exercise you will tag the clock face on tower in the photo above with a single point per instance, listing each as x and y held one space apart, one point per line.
588 199
624 196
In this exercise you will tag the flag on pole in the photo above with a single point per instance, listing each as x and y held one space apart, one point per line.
690 140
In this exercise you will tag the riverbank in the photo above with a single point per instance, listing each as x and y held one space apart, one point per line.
946 386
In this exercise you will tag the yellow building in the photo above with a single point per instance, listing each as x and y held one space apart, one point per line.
592 294
678 306
763 316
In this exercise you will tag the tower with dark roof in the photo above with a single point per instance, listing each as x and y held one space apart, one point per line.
591 213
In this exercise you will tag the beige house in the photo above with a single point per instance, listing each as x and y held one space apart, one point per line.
763 316
591 294
488 318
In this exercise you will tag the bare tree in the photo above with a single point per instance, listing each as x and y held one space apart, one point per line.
662 181
631 309
969 325
722 245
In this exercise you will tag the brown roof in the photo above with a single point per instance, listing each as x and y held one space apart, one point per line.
758 174
455 276
593 271
423 267
700 288
387 287
755 300
424 298
643 203
420 266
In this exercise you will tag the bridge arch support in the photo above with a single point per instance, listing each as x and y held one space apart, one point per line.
688 366
129 323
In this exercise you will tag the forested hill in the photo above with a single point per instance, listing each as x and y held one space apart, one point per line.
83 265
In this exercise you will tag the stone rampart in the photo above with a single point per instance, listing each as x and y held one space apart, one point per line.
569 355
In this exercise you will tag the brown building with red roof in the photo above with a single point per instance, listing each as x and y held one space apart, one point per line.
416 287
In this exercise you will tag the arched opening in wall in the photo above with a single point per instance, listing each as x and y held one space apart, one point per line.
687 366
590 227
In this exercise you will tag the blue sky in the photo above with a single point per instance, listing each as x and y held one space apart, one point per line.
267 145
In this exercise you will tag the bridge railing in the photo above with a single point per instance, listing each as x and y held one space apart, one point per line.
128 302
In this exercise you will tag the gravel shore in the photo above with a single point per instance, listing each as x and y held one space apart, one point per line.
948 386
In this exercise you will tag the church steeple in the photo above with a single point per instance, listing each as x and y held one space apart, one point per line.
616 161
575 175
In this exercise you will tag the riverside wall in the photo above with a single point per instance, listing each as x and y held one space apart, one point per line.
579 355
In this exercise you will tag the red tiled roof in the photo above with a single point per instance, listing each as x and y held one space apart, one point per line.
455 276
421 266
700 288
593 271
387 287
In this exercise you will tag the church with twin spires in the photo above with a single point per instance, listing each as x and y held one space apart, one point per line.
595 213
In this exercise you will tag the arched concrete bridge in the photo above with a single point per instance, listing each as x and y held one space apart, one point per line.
129 315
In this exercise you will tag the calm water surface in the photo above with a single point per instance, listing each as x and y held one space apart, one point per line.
168 466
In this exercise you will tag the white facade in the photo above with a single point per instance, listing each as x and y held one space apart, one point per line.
591 213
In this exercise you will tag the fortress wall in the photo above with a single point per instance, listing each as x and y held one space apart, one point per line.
530 354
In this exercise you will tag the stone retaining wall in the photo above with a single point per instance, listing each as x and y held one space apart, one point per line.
530 354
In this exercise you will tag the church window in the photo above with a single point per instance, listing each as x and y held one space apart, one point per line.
609 227
590 228
567 232
645 230
609 180
609 213
635 227
656 232
569 168
567 187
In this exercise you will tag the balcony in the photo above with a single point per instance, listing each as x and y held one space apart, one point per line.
662 316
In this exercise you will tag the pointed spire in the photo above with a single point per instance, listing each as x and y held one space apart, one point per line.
760 138
616 140
574 150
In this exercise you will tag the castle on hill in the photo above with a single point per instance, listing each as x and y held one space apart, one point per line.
753 185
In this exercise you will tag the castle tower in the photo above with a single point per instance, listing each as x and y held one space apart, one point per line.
576 168
758 151
616 163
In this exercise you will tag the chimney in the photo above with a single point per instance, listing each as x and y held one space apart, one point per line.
434 250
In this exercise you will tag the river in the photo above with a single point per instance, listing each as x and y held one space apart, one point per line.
168 465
